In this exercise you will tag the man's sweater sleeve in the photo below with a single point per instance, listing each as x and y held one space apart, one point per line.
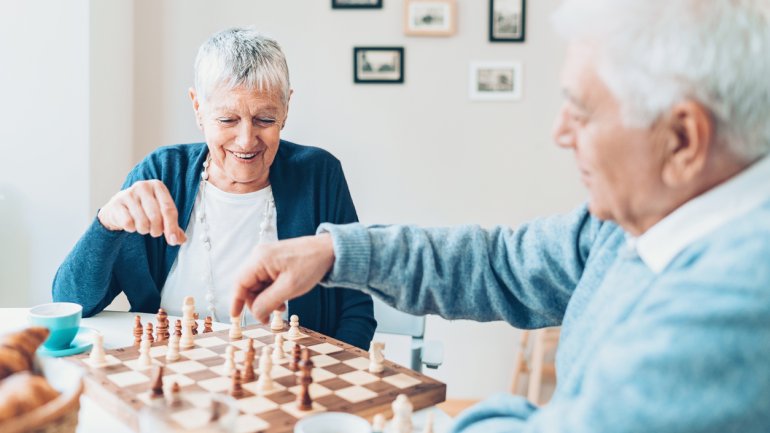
524 276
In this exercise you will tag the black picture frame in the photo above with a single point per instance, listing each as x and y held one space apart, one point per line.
385 73
338 4
518 32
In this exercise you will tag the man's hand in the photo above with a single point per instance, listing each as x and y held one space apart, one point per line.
277 272
146 208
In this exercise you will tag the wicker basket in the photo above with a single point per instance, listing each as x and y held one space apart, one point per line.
59 415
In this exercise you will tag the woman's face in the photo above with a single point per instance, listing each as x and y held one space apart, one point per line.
243 130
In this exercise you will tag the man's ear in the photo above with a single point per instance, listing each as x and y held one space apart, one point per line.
689 139
196 107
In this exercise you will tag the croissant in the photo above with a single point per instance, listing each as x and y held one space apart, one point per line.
22 393
17 350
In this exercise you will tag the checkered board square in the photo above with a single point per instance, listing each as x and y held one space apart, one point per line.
341 381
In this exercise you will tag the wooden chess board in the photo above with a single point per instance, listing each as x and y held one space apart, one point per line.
341 381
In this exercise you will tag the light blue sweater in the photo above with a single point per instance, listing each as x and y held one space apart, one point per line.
684 350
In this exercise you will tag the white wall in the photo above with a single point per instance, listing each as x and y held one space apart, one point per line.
419 153
44 133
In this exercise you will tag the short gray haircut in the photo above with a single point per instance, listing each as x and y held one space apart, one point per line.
241 56
656 53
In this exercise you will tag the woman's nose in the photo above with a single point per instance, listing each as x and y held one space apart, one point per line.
563 134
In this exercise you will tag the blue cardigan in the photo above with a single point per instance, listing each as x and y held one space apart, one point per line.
309 188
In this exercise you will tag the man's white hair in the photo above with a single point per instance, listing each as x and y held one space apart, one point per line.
656 53
241 57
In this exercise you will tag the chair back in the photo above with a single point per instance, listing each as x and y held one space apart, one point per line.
392 321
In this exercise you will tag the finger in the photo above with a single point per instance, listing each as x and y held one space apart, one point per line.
122 218
141 223
271 298
154 217
174 234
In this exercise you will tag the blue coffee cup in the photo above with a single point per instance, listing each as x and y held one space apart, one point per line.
61 318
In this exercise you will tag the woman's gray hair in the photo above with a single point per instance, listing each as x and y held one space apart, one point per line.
653 54
240 56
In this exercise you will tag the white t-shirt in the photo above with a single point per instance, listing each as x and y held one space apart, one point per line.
233 228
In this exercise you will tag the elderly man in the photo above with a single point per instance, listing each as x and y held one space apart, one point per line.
661 283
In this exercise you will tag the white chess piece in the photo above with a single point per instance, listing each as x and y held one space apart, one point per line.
293 333
229 365
172 351
428 428
277 323
235 329
265 381
278 353
188 321
144 354
402 415
97 356
378 423
376 360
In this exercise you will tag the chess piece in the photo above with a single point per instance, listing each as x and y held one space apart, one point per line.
235 389
304 402
97 356
248 369
278 353
138 330
144 354
207 325
378 423
229 365
235 328
250 353
173 398
148 330
428 428
188 320
293 328
157 384
265 381
162 327
402 415
172 352
178 328
195 324
276 324
376 360
296 353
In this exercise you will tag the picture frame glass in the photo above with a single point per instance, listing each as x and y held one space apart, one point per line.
378 65
429 16
507 19
495 81
356 4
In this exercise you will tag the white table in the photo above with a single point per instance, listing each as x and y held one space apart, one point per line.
117 328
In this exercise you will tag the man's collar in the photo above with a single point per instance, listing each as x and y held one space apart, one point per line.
746 191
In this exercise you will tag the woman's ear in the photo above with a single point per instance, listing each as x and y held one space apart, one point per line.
689 135
196 107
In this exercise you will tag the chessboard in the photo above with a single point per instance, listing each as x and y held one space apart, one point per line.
341 381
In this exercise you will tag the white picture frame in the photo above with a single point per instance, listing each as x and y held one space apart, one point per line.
495 81
430 17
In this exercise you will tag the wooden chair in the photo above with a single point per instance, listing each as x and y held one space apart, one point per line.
535 359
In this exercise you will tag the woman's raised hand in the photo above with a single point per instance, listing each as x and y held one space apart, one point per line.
146 207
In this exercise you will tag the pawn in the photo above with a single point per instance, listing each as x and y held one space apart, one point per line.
97 356
157 384
178 327
250 353
277 323
148 330
172 353
402 414
173 397
229 365
144 354
265 381
296 353
207 325
162 328
195 324
378 423
248 370
293 328
235 329
278 353
236 390
428 428
304 402
138 330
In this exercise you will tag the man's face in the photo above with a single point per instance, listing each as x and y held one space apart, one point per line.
620 166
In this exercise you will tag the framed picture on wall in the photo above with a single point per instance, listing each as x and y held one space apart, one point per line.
356 4
378 65
495 81
430 17
507 20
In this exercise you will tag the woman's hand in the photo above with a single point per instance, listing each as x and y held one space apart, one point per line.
146 207
278 271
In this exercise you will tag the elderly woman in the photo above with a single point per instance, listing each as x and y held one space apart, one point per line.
188 215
